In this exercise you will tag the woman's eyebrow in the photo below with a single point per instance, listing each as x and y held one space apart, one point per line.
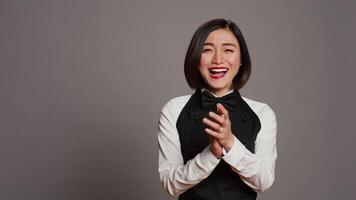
208 43
229 44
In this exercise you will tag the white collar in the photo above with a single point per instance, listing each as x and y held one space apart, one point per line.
203 89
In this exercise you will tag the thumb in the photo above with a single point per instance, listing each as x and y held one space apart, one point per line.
215 143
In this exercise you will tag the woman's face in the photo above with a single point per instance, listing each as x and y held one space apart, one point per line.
220 61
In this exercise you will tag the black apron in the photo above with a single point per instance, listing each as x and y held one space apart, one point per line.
222 183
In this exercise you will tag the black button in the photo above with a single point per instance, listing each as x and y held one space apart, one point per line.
196 144
198 117
244 119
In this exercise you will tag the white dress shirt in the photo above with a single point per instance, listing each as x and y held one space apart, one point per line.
255 169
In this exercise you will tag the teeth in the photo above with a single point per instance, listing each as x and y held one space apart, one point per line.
218 70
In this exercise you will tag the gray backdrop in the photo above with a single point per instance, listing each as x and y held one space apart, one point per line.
82 84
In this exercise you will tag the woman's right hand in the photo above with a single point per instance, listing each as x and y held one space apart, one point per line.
215 147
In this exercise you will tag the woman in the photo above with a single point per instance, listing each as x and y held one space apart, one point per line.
214 143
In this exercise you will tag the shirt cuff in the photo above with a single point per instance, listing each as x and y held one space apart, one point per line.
235 154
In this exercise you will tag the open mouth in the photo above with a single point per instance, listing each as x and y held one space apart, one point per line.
217 72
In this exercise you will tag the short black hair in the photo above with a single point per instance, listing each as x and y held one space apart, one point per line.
192 58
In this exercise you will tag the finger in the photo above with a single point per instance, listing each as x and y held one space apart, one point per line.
212 133
222 110
211 124
217 118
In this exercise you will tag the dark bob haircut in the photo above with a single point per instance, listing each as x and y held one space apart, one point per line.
192 58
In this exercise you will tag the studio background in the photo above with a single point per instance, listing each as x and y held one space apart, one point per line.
82 84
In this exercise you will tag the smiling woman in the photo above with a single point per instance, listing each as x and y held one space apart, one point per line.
214 143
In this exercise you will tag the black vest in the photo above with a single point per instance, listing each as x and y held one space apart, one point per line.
222 183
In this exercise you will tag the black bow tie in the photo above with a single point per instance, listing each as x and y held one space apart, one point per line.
208 100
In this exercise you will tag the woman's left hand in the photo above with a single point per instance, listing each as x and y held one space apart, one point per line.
220 127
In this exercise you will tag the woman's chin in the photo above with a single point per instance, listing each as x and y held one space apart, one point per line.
218 85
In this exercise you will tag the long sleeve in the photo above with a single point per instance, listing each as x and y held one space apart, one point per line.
257 170
176 176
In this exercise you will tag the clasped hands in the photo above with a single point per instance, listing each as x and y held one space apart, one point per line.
219 130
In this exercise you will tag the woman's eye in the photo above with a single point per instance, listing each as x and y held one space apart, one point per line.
206 50
229 50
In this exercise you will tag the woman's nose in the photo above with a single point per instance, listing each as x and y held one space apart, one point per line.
218 58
